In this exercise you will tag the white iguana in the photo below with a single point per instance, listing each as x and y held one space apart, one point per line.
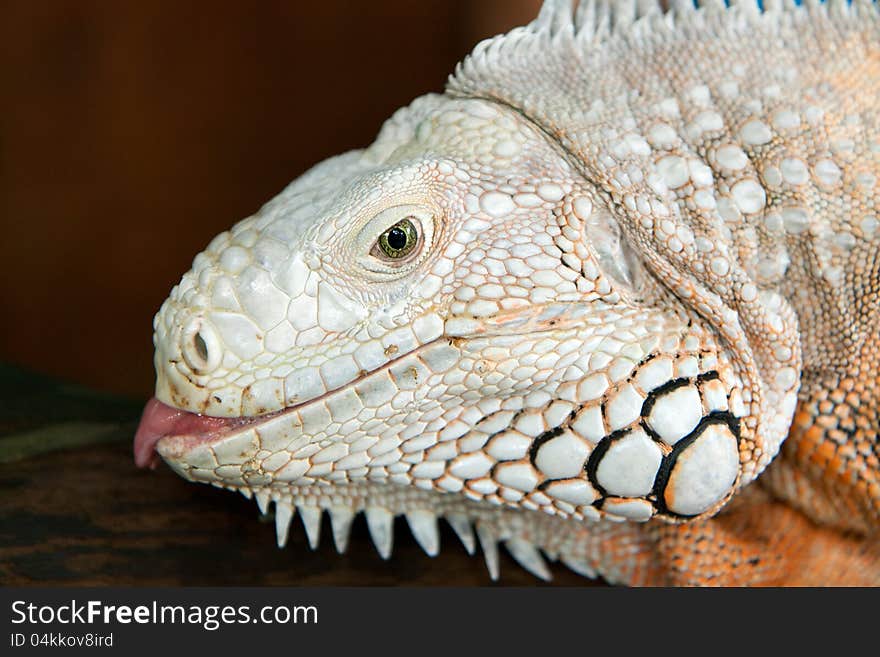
575 303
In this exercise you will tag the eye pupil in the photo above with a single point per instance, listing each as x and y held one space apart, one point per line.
396 238
398 241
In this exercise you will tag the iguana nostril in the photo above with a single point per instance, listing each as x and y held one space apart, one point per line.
200 346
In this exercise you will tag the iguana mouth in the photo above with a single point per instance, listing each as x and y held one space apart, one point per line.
187 429
160 421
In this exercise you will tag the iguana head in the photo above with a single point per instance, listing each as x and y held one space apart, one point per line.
447 323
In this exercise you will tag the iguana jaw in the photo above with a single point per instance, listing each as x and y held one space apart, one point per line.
171 432
178 436
181 438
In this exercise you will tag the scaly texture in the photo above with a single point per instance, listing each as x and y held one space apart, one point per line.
576 303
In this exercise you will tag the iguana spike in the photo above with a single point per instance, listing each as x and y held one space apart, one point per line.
489 545
311 519
340 522
579 566
528 556
381 525
462 527
263 500
423 525
283 515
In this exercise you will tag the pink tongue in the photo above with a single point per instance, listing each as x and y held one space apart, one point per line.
160 420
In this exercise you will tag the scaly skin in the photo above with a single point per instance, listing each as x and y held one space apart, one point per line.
644 249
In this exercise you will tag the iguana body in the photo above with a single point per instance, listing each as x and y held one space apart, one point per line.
577 302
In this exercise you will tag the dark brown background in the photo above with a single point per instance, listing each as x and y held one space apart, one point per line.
132 132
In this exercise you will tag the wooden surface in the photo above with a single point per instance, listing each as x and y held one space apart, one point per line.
75 511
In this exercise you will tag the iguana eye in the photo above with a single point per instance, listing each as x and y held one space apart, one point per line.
397 242
393 242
